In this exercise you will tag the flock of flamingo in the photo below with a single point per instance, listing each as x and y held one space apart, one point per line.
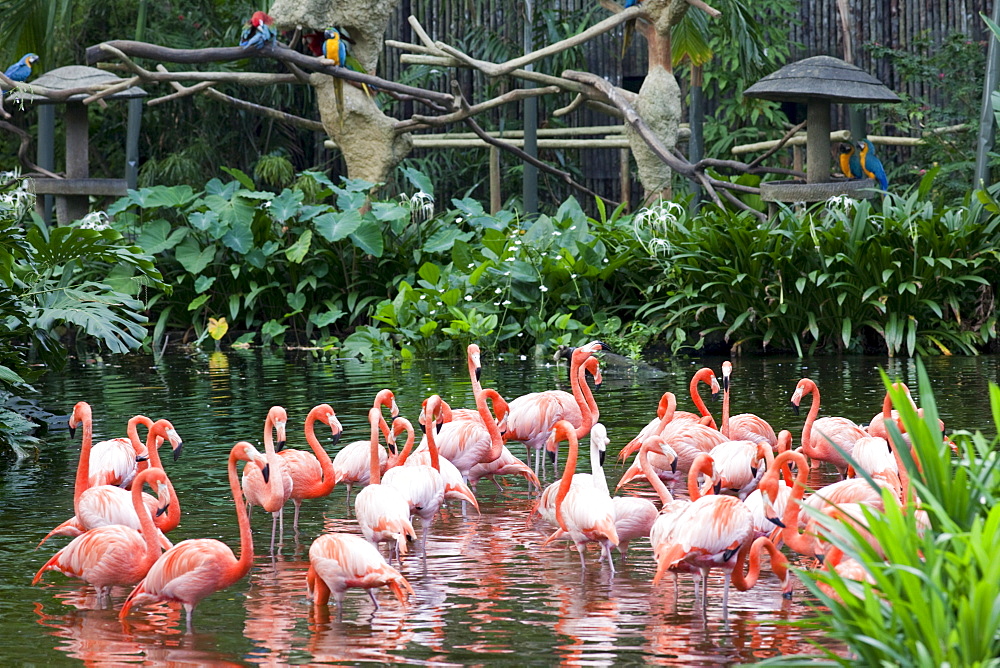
742 496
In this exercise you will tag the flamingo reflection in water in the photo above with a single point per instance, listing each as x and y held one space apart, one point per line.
272 614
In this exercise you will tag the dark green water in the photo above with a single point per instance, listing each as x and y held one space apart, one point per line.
490 594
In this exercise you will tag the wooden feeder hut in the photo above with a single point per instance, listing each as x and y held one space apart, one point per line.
73 192
819 82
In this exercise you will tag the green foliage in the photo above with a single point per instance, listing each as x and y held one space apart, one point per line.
935 584
918 278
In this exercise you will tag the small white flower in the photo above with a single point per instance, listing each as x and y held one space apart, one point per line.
572 277
543 288
506 273
458 220
496 303
520 334
545 254
509 259
468 298
572 227
506 302
498 290
95 220
606 260
524 357
470 265
423 296
557 233
433 312
517 242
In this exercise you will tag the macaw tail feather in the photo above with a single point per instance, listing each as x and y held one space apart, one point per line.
627 36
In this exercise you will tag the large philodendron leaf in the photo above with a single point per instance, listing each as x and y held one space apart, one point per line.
65 245
110 317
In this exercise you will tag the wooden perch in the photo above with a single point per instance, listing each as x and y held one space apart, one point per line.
471 110
22 151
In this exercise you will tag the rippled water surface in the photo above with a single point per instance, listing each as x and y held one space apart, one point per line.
489 592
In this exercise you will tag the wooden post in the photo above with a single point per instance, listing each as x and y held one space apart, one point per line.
495 201
72 208
818 141
46 153
625 175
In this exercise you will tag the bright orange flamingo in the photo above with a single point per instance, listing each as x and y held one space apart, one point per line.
590 424
115 554
340 561
383 513
533 415
584 511
745 426
819 436
312 474
195 568
421 485
655 426
877 425
763 526
271 496
108 504
779 566
711 534
351 465
116 461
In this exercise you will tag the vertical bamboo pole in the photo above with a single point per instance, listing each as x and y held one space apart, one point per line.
495 200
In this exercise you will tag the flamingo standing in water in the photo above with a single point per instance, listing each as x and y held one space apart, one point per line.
195 568
383 513
421 485
351 465
115 554
654 426
312 474
584 511
745 426
454 484
819 436
532 416
271 496
116 461
340 561
506 464
108 504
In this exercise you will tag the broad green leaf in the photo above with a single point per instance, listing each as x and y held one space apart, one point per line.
368 237
240 176
296 300
335 226
390 211
430 272
197 302
297 252
203 283
286 205
156 236
419 180
445 238
239 238
193 258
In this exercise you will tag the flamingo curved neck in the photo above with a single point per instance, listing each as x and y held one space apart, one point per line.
149 530
408 447
568 434
652 477
790 534
496 438
375 471
245 559
703 465
699 403
725 408
83 468
742 581
811 417
328 478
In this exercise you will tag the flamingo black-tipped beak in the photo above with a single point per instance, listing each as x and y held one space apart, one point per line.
72 432
551 455
423 428
603 346
715 396
601 457
177 451
266 472
776 521
392 446
597 386
160 511
438 427
728 554
673 466
753 471
820 558
479 372
279 445
725 383
795 409
787 595
142 458
336 438
718 487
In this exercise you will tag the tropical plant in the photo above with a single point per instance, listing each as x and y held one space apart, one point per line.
900 275
933 578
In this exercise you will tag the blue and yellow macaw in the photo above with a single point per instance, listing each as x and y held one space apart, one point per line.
257 32
850 163
629 27
871 165
335 49
21 70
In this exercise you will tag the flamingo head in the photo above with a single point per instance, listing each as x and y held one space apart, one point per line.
246 452
727 370
474 360
327 416
804 387
81 413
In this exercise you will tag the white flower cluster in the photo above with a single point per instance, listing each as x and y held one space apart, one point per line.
95 220
421 205
18 201
654 222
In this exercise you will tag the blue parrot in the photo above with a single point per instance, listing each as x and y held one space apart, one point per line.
21 70
850 163
871 165
258 31
335 49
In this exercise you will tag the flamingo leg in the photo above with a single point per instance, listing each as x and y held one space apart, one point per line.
371 595
349 485
274 526
725 596
298 505
189 609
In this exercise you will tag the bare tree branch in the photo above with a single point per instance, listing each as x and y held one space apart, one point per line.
466 110
788 135
22 151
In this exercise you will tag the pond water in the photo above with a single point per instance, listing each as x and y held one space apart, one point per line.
490 592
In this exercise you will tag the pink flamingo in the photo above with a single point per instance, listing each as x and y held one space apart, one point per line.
755 500
739 465
195 568
584 511
383 513
421 485
115 554
108 504
340 561
745 426
506 464
821 438
270 496
312 474
532 416
654 426
351 465
454 485
116 461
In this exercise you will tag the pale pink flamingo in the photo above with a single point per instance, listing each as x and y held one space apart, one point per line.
822 437
312 474
755 500
745 426
108 504
115 554
846 567
739 465
195 568
584 511
271 496
874 456
654 426
506 464
340 561
533 415
454 484
545 507
877 425
711 534
351 465
421 485
116 461
382 512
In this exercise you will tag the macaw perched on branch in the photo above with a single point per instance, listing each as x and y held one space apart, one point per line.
629 27
257 31
850 163
871 165
21 70
335 50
